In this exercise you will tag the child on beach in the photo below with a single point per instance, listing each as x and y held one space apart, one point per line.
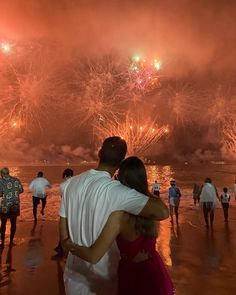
225 199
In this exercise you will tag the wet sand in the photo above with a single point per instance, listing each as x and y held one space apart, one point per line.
200 261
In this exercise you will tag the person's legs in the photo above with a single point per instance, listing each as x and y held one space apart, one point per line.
13 219
177 214
3 227
212 217
205 213
35 205
171 213
44 202
225 209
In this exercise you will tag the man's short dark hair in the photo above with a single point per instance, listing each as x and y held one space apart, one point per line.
40 174
67 173
113 151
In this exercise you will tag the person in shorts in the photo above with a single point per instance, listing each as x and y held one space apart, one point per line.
174 200
10 190
156 189
39 186
225 199
208 200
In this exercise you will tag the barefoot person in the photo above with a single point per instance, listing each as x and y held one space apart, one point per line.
196 193
139 272
209 201
39 186
225 199
156 189
88 201
174 200
10 190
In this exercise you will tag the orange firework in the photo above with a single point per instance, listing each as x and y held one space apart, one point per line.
140 135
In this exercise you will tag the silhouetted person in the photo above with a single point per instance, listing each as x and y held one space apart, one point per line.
196 193
156 189
39 186
10 190
208 199
174 200
66 175
225 199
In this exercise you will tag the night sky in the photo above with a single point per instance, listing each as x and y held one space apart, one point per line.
195 41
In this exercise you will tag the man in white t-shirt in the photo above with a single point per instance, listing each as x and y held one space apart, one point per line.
39 186
88 200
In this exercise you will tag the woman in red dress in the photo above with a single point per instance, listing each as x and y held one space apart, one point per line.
141 270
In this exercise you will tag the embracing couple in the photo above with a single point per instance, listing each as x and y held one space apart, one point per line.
97 210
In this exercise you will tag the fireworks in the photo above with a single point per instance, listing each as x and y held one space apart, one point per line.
25 91
5 47
99 91
229 132
182 102
222 109
140 135
143 76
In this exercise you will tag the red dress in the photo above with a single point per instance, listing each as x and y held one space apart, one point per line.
148 277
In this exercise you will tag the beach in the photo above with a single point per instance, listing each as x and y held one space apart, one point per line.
199 261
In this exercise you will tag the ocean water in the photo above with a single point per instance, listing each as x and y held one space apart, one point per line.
185 176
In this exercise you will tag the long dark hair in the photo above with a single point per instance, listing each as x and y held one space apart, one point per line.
132 173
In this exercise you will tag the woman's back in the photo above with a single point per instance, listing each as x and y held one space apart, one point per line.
138 273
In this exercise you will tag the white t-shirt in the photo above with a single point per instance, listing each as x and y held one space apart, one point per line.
87 202
39 186
155 187
63 185
225 198
208 194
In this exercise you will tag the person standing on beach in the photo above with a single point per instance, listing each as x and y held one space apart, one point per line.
10 190
66 175
39 186
87 202
196 193
208 200
156 189
225 199
174 200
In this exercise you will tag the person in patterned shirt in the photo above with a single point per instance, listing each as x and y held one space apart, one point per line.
10 189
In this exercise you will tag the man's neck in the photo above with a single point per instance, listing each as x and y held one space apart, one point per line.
109 169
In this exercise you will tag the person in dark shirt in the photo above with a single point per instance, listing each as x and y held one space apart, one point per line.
174 200
10 189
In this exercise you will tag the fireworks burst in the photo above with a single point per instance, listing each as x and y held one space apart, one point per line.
25 93
229 132
222 109
100 91
140 135
143 76
182 102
